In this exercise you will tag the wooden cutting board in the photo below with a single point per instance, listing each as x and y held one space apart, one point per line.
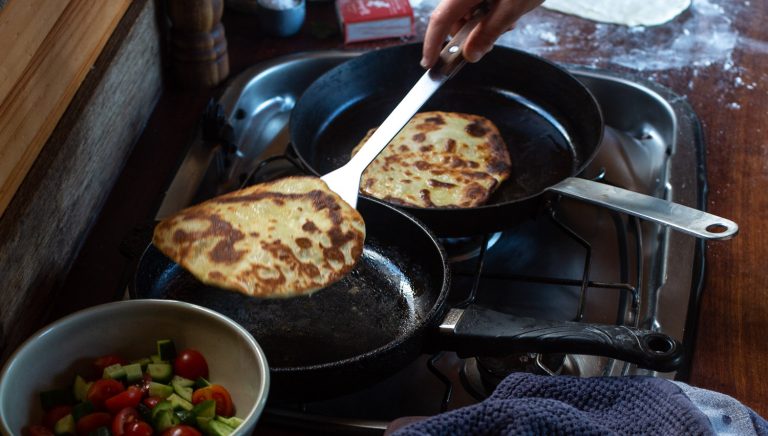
46 49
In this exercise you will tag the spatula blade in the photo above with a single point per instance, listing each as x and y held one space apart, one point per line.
345 181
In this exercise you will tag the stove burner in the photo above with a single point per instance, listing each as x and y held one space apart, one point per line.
465 248
612 272
481 375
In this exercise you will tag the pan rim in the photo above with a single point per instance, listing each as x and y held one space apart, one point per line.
587 158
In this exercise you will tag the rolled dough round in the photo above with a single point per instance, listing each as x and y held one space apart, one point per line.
625 12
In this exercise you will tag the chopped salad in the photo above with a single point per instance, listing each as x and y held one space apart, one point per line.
166 394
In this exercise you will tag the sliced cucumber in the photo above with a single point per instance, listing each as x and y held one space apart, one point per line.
180 403
203 423
65 426
183 387
181 381
218 428
204 413
185 393
159 390
165 419
80 388
160 372
160 407
144 361
155 358
166 349
163 416
205 409
232 421
201 383
133 372
115 371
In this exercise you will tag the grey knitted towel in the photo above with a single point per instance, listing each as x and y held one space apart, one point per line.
526 404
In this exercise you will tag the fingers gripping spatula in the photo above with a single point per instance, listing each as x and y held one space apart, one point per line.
345 180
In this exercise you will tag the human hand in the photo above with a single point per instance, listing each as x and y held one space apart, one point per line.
449 15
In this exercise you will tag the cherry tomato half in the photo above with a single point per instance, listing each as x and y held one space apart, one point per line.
127 422
55 414
130 397
36 430
151 402
181 430
140 428
218 393
91 422
108 360
190 364
103 389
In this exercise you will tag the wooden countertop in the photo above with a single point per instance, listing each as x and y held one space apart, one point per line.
727 90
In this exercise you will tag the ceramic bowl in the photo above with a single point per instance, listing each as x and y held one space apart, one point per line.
52 357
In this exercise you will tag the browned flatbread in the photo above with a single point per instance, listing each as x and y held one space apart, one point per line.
439 159
285 238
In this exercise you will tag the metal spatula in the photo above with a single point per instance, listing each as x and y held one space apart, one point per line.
345 181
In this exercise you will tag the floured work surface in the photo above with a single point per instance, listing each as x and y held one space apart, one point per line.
625 12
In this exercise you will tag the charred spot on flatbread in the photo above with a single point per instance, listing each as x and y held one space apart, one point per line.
439 159
285 238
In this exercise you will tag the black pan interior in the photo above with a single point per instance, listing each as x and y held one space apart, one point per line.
398 286
549 122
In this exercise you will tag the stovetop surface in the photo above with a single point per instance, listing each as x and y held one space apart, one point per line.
638 273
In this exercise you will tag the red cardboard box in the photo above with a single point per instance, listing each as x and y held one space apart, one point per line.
365 20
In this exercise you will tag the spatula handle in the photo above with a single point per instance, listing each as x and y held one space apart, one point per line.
451 58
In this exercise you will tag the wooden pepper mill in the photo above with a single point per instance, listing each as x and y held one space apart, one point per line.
198 45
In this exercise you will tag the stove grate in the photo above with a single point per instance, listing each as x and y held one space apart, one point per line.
469 373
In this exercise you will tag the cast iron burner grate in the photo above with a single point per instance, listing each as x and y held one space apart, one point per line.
480 375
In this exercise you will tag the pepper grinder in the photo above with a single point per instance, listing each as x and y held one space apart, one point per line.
198 46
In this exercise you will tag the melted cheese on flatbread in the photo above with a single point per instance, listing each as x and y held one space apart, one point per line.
439 159
285 238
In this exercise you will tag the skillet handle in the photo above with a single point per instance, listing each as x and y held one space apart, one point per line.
481 331
683 218
451 58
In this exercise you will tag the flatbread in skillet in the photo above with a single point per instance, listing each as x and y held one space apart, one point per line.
439 159
285 238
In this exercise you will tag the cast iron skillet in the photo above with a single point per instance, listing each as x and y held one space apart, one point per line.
549 120
379 317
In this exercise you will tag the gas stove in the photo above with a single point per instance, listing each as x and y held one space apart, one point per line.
574 261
